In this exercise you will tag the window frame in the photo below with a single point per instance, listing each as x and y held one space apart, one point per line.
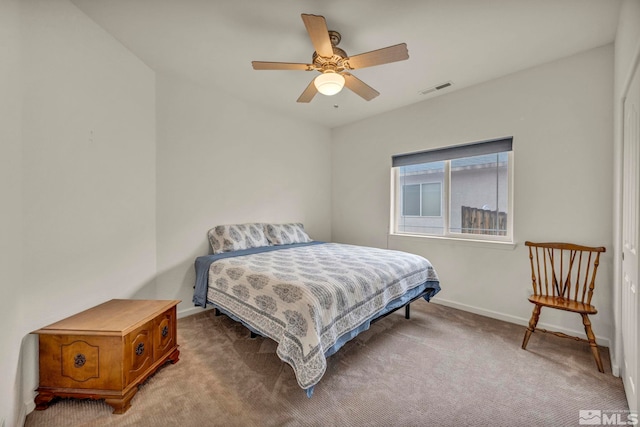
396 209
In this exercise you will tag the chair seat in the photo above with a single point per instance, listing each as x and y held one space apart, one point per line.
563 304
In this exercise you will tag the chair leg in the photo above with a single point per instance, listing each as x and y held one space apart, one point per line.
532 325
592 341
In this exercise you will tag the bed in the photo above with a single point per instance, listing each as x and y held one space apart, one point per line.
310 297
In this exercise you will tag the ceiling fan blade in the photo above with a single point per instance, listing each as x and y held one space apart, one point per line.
308 94
319 34
260 65
385 55
359 87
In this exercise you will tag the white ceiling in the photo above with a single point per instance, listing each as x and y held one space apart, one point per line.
213 42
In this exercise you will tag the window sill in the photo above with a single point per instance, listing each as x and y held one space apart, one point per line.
492 244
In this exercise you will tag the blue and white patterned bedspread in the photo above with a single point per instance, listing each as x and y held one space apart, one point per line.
306 297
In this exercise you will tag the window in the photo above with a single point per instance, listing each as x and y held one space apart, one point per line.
463 191
422 199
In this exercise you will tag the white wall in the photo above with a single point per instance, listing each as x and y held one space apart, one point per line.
88 176
627 42
223 161
89 172
10 208
560 116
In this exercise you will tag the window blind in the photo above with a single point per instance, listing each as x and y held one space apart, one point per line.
454 152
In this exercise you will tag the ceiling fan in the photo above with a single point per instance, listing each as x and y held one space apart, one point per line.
334 64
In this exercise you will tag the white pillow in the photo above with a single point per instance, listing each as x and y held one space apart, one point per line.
235 237
286 234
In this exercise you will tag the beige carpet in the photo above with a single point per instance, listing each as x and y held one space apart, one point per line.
444 367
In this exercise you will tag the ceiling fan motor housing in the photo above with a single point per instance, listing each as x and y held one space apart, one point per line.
337 62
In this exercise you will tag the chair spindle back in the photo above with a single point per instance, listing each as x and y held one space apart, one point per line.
564 270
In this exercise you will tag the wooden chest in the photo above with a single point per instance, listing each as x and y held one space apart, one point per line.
107 351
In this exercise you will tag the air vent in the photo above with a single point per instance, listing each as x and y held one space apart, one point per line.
435 88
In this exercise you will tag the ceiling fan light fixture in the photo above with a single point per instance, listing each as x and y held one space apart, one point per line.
329 83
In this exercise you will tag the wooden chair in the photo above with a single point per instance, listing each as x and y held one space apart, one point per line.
563 277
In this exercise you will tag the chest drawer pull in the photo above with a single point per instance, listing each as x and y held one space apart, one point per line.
165 331
140 349
79 360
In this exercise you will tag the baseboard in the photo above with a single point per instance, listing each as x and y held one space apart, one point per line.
190 311
602 341
27 408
